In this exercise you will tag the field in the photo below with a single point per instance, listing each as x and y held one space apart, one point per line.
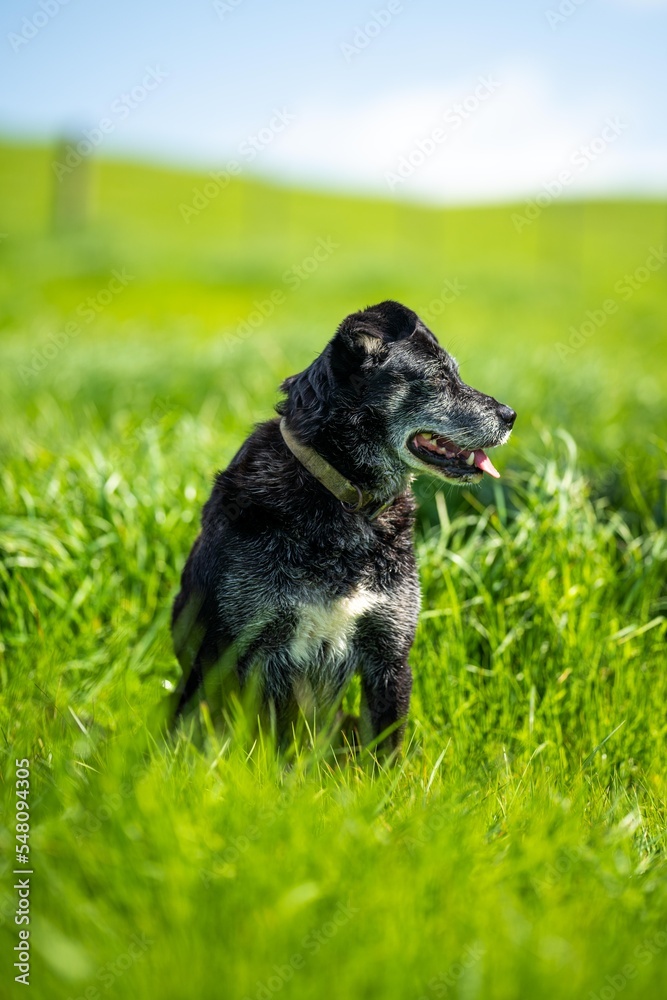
518 850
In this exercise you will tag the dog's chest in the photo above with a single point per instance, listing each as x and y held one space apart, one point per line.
324 629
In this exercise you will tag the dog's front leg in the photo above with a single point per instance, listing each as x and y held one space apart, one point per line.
385 700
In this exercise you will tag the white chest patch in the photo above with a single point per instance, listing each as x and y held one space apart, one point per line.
331 624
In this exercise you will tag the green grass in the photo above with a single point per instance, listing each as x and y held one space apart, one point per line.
518 850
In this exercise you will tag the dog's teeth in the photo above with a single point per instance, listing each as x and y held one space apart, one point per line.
470 460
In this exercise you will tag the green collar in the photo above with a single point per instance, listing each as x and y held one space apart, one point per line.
352 497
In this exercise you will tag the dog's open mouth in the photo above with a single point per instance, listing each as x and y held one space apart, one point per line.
448 456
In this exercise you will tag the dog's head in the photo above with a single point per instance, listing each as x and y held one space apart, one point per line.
385 375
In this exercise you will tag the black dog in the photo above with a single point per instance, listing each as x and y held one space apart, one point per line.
304 570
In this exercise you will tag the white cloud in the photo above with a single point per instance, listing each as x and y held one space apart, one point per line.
518 138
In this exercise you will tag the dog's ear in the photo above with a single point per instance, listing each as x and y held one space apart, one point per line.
359 337
307 397
369 331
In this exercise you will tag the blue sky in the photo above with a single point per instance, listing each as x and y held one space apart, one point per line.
541 88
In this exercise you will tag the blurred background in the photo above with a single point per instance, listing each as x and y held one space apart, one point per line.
193 196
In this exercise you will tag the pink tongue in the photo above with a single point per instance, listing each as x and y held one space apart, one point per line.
483 462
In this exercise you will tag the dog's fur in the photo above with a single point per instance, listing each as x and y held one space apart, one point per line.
284 578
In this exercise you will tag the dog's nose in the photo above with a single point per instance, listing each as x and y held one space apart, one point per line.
506 414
